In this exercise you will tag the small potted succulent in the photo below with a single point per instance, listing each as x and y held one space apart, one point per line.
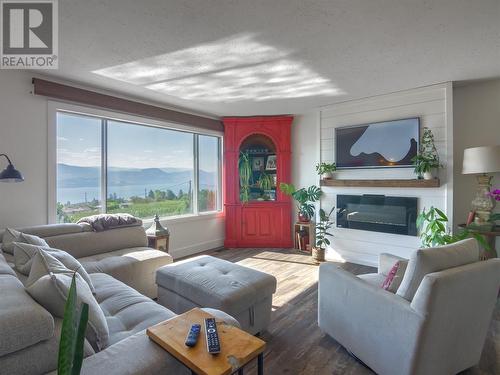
325 170
305 199
322 241
427 159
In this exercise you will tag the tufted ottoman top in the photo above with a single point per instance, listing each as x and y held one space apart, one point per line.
209 281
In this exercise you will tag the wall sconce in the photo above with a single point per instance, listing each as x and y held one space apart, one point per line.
10 174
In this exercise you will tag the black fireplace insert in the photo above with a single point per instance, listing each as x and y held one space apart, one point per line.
377 213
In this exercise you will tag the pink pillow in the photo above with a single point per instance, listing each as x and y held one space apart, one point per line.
395 276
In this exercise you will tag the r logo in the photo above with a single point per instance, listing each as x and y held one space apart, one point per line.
29 30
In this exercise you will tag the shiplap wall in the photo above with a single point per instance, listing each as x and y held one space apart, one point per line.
433 104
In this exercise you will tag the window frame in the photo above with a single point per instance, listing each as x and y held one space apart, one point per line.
54 107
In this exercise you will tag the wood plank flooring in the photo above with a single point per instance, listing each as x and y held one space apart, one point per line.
295 343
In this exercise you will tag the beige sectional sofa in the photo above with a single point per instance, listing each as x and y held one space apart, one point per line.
121 252
122 270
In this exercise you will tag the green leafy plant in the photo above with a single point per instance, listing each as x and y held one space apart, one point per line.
322 228
423 164
245 172
323 168
427 158
74 324
265 181
433 231
305 198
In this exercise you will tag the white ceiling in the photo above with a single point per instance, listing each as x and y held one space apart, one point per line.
249 57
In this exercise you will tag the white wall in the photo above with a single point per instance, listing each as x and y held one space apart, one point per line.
23 136
476 111
433 105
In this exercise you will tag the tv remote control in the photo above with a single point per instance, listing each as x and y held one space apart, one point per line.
213 344
193 334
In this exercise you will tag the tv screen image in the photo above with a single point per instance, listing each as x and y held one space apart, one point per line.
377 145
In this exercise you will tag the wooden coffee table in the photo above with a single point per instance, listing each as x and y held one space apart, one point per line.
238 348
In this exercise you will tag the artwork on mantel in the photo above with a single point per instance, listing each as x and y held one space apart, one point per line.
377 145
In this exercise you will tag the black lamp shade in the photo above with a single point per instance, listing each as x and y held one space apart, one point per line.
11 174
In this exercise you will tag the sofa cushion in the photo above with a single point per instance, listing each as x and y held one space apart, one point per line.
217 283
135 267
25 253
5 266
51 291
424 261
126 310
11 235
23 322
85 243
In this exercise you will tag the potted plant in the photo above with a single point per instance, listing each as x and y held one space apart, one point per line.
305 199
245 172
427 159
322 241
325 170
433 231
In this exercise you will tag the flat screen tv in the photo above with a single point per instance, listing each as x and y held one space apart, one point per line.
378 144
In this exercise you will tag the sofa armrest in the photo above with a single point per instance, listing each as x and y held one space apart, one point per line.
379 327
386 261
135 355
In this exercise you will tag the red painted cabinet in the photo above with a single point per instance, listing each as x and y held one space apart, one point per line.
256 159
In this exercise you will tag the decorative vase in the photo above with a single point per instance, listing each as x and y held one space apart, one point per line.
483 203
428 175
318 254
303 218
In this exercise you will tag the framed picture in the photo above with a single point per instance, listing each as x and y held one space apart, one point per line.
271 163
257 163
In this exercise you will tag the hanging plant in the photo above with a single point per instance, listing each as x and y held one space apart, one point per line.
245 173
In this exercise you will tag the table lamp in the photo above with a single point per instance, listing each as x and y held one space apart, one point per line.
481 161
10 174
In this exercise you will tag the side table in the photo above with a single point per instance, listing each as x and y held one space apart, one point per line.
238 347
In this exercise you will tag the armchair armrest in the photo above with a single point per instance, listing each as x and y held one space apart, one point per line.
379 327
135 355
386 261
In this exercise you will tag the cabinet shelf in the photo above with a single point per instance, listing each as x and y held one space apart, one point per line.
404 183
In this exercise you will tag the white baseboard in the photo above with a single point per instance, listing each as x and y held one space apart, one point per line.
196 248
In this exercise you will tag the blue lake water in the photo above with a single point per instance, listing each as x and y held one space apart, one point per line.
82 194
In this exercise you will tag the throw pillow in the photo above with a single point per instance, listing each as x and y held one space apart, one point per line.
24 254
11 235
49 283
395 276
425 261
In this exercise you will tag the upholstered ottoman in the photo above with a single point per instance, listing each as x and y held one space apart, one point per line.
205 281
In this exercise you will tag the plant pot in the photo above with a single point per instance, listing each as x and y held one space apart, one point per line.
303 218
327 176
428 176
318 254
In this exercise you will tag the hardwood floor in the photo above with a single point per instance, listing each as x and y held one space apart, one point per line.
295 344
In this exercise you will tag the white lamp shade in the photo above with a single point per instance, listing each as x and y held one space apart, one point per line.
484 159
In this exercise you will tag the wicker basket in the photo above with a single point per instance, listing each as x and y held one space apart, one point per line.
318 254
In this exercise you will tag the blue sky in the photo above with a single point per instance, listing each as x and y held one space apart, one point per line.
129 146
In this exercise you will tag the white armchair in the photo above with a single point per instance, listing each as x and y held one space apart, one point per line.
435 324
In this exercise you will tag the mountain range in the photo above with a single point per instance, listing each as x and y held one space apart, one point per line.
72 176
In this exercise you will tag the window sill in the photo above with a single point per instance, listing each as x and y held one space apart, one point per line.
186 218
